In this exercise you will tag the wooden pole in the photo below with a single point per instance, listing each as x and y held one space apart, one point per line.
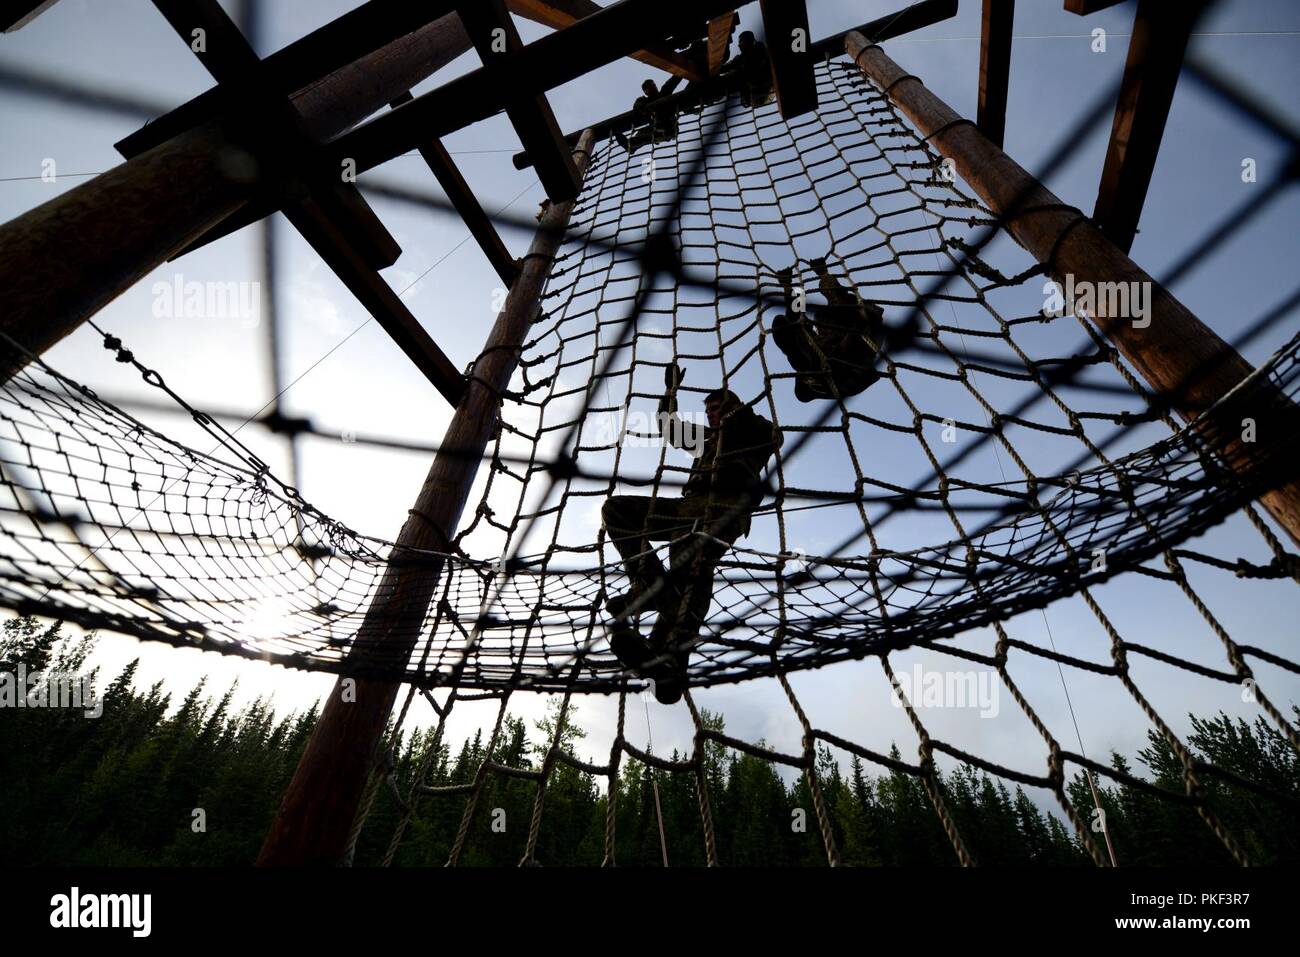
996 26
66 259
1155 59
316 816
1183 360
16 14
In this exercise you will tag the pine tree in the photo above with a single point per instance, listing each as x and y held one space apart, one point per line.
123 788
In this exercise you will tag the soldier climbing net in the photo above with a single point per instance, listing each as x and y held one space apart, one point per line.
1017 440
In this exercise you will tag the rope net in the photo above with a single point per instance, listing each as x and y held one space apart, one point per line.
1016 439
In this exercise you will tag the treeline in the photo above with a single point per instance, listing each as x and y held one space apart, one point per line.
199 786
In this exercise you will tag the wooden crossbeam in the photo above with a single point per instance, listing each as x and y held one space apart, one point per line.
270 118
496 39
463 200
1088 7
897 24
16 14
995 67
355 34
785 25
332 205
377 297
558 14
720 31
1155 58
613 33
476 219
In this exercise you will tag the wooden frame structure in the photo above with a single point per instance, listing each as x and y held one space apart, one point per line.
1155 58
996 25
298 116
16 14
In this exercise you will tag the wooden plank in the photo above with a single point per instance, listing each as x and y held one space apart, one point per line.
272 120
720 32
558 14
16 14
555 59
995 67
785 26
496 39
1088 7
355 34
365 230
377 297
1155 58
463 200
475 217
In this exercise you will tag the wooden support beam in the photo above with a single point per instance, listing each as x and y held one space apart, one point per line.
897 24
1155 58
334 218
418 48
359 33
785 27
462 198
613 33
995 67
475 217
1183 360
320 805
274 127
16 14
66 259
377 297
497 40
720 32
62 261
1086 8
558 14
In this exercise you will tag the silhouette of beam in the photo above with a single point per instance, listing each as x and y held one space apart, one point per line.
497 40
995 67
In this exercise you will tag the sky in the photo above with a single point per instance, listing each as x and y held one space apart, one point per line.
345 374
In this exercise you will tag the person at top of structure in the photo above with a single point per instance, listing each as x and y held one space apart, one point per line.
834 347
754 70
722 490
654 118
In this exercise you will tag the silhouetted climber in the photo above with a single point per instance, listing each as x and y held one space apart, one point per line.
751 63
721 492
654 119
832 347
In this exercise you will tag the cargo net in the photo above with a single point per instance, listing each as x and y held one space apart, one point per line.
1010 433
1016 438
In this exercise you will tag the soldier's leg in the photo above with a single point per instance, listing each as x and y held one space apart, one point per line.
640 138
631 523
854 368
694 560
791 337
675 631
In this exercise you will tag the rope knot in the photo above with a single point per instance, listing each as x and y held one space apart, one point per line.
114 344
